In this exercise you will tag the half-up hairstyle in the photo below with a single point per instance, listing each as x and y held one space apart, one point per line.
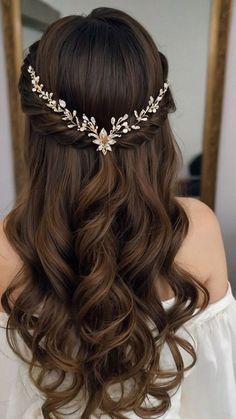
95 232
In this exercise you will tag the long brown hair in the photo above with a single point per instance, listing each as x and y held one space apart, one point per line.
95 232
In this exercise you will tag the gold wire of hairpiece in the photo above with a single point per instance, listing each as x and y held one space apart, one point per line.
103 139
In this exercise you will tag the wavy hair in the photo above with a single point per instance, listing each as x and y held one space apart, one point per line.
95 233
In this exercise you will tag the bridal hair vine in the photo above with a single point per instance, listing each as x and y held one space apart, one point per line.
103 139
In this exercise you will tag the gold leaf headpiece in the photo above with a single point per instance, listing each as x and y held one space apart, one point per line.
103 139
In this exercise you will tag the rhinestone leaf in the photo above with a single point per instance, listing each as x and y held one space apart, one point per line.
96 142
62 103
103 134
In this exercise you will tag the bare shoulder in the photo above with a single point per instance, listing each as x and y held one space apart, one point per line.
201 216
203 249
8 256
9 261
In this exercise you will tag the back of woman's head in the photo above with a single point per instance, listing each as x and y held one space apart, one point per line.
94 231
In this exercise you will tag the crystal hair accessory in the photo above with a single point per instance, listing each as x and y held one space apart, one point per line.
103 139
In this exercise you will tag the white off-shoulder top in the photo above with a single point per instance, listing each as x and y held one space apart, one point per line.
208 390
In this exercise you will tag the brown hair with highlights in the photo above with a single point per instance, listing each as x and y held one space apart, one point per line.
95 232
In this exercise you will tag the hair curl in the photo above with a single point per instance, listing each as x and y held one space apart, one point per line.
95 233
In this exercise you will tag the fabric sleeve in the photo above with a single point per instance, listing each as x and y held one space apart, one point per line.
209 390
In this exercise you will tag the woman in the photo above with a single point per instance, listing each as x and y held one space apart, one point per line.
110 281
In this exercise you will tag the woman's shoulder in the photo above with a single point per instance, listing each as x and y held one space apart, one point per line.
10 262
203 249
9 258
196 208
